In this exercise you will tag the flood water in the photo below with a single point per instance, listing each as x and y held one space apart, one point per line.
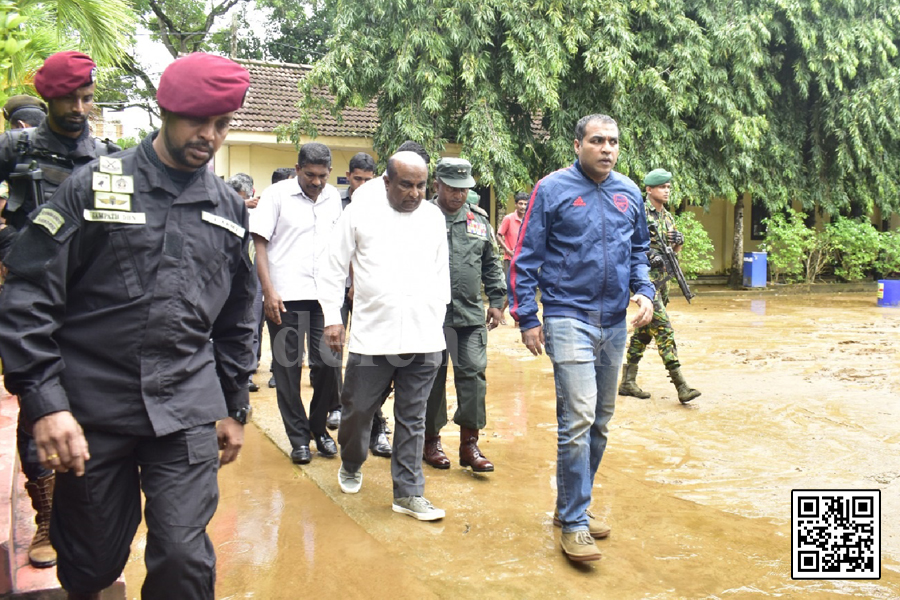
799 392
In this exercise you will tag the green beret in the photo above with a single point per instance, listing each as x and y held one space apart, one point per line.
657 177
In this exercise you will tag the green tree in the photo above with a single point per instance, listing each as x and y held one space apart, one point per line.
96 27
780 99
182 27
856 245
696 255
788 243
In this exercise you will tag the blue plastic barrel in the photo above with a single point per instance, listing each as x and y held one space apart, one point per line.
754 269
889 292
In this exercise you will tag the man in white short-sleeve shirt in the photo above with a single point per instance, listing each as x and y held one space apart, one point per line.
291 227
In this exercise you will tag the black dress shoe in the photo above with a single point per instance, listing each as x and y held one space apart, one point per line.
380 445
326 445
334 420
301 455
272 381
252 386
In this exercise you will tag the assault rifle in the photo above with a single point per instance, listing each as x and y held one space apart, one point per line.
669 262
33 176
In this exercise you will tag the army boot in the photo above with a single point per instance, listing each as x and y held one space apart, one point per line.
40 553
469 453
629 386
685 392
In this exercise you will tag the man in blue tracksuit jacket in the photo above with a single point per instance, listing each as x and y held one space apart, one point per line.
584 242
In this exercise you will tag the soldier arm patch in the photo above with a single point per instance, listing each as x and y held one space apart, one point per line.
39 242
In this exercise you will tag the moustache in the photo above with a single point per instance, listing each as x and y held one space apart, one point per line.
201 146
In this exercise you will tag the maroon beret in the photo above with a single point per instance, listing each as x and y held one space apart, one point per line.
63 73
202 85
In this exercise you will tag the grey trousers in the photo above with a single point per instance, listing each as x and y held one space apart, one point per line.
365 379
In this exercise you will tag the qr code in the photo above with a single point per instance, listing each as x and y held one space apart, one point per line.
836 534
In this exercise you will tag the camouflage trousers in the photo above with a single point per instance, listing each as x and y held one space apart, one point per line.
660 329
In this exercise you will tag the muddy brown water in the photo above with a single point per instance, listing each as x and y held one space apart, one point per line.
799 392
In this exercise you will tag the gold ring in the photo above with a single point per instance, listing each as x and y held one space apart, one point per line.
53 457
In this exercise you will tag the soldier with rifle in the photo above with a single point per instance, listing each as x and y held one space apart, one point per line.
665 242
34 162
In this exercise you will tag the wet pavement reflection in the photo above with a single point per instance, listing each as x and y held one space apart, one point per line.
798 392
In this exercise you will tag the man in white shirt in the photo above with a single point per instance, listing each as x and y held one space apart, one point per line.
398 248
291 227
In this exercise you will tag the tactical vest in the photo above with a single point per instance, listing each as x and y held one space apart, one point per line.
38 174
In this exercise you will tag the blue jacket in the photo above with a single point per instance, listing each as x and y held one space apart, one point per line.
584 244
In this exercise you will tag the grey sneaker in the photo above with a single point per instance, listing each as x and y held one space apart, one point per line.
418 508
350 482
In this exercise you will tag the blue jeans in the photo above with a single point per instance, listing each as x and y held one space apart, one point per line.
586 361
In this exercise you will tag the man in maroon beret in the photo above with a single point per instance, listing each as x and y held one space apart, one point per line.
34 162
136 283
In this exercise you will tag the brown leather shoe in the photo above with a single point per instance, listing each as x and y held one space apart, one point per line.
433 453
41 553
469 453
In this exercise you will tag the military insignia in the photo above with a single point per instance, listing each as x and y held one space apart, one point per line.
223 223
108 164
115 216
621 202
50 220
112 201
475 227
123 184
101 182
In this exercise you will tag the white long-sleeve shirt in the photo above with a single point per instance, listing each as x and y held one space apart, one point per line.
401 276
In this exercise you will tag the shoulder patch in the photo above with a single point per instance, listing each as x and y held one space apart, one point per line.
477 209
50 220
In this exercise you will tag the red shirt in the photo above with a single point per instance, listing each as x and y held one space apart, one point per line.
509 231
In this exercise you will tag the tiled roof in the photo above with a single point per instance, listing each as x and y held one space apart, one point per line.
273 101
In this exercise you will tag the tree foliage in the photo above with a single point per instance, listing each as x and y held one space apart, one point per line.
696 255
39 28
788 243
785 99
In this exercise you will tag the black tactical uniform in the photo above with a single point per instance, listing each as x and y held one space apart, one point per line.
133 311
31 160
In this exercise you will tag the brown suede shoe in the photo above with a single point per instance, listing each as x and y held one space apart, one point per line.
598 529
469 453
433 453
579 546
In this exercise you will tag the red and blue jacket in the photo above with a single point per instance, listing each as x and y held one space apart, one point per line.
585 245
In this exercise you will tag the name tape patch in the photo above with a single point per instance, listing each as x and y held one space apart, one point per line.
115 216
223 223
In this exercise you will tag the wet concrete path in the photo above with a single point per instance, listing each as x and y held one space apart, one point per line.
798 392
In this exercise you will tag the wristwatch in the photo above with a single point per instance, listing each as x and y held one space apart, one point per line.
241 415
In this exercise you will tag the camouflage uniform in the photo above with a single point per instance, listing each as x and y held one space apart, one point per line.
659 327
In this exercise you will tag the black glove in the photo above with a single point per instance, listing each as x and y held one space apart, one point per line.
675 238
656 261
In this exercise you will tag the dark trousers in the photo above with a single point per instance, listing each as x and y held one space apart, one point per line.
96 516
467 347
364 384
303 320
31 466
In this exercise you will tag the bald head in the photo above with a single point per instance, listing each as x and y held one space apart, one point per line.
406 178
